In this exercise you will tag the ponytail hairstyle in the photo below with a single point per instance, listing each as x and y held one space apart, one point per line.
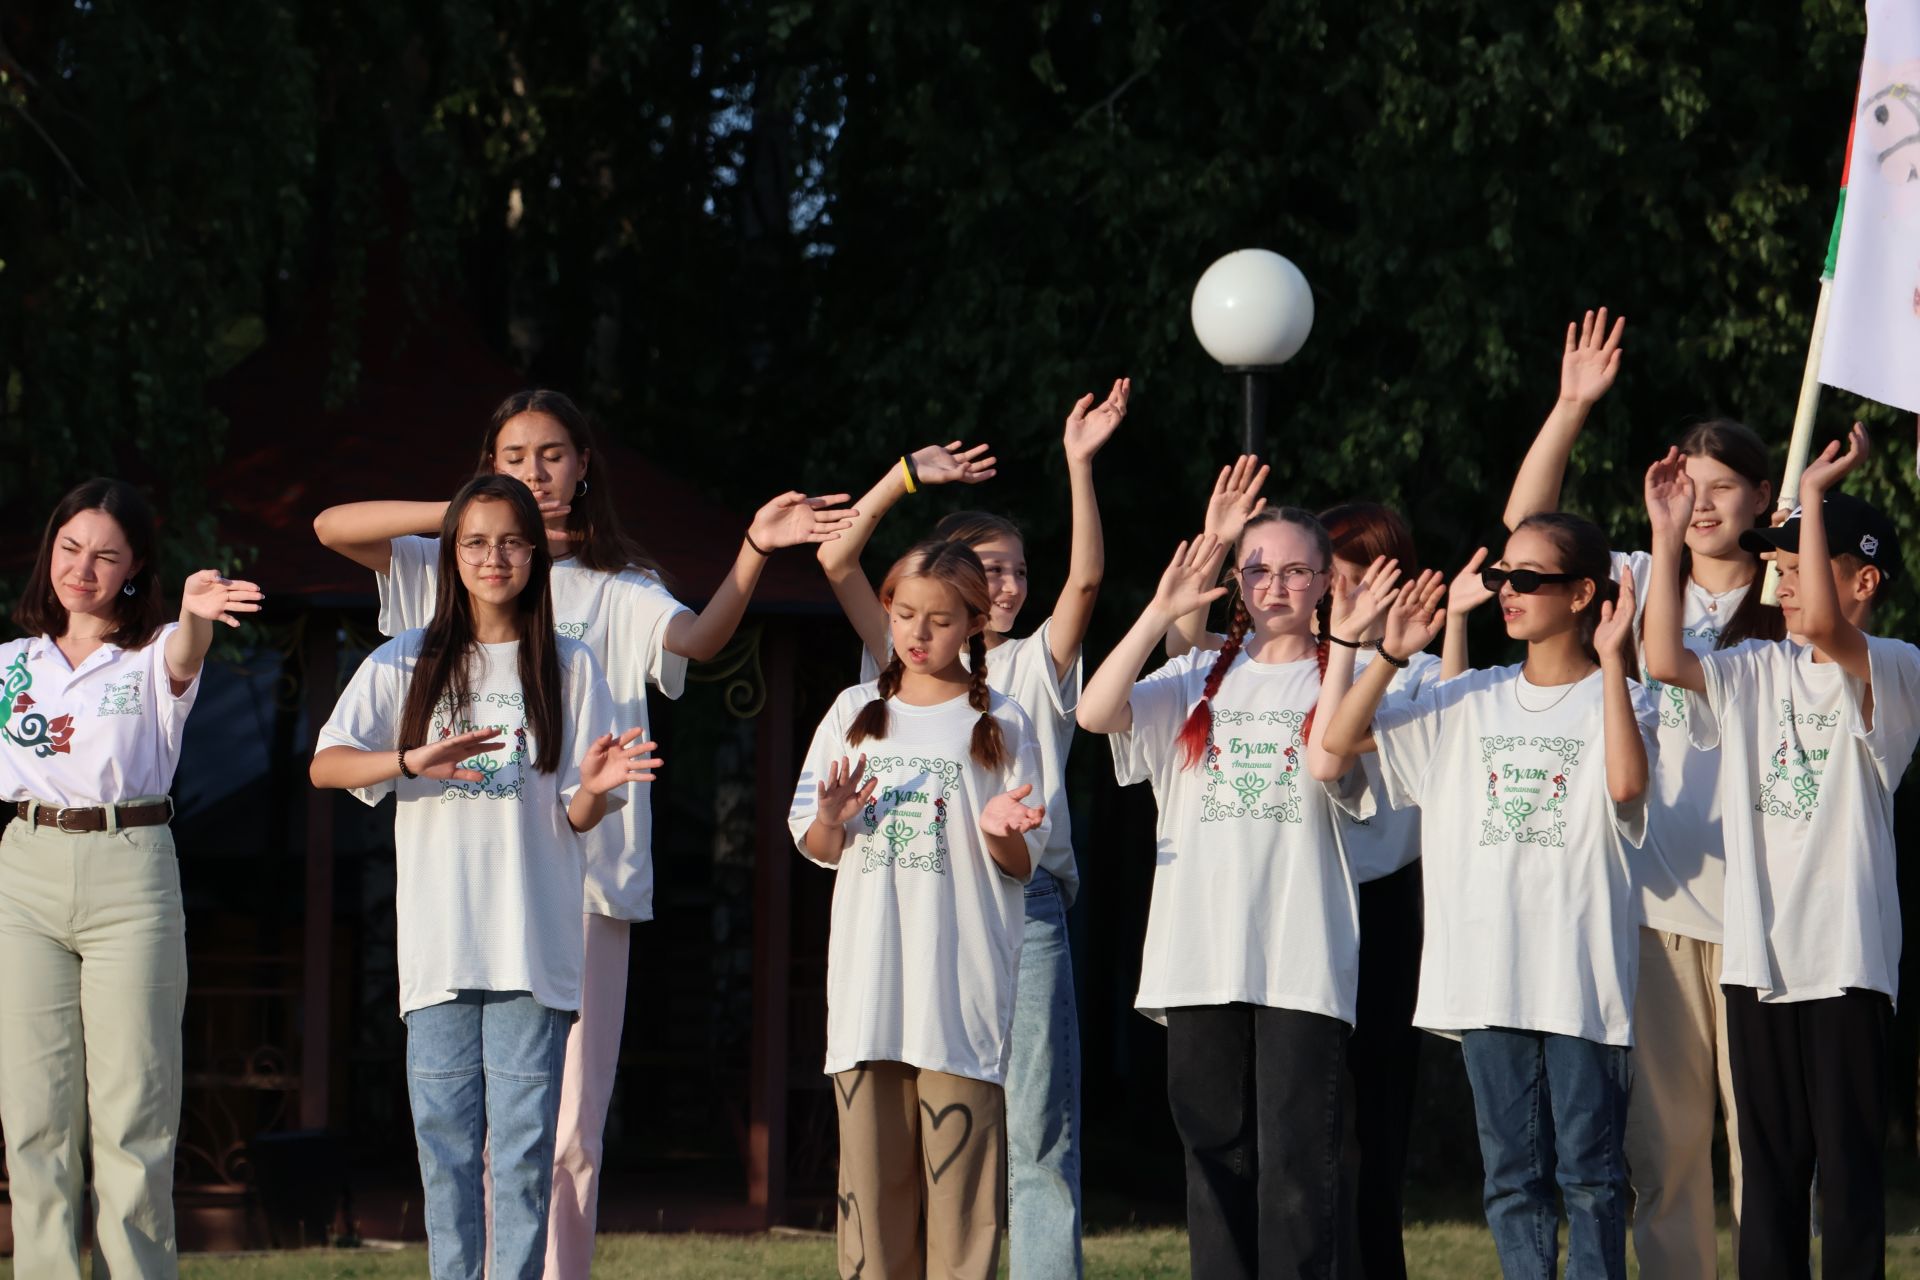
1198 729
1361 532
1583 553
600 542
137 617
953 563
1739 448
443 669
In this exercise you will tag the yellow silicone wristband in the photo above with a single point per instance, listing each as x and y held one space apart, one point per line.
906 474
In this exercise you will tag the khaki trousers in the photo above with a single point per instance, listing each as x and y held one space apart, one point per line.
1680 1067
93 981
923 1163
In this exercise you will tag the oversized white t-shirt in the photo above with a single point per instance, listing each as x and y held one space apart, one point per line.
622 617
1681 869
1531 919
1253 900
1388 839
1812 909
1023 669
105 732
489 873
924 945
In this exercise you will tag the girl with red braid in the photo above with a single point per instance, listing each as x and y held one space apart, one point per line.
1253 932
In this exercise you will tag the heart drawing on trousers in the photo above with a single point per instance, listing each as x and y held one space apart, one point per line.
852 1228
937 1118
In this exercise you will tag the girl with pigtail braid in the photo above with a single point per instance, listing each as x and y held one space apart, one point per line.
1253 931
932 845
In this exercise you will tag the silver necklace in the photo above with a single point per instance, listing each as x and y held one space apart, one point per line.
1551 705
1714 598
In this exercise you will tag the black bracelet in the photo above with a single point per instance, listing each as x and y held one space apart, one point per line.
404 771
756 546
1349 644
1399 664
913 472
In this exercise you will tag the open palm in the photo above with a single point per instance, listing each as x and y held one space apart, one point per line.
1191 579
952 464
1669 494
1236 497
208 595
1591 359
613 762
1005 815
1090 428
1416 616
793 518
441 759
840 795
1614 636
1468 591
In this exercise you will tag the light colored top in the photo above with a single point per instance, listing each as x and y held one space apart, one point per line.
104 733
924 944
1389 839
622 617
1253 900
1024 671
1531 919
489 873
1812 909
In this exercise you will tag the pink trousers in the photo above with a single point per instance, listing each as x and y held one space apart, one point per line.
593 1056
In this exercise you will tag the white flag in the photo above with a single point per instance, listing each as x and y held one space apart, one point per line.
1873 330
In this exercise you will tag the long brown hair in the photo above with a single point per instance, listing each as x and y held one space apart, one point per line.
1199 726
954 564
444 667
137 618
600 541
1739 448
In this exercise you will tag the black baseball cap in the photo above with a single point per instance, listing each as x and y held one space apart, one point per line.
1854 527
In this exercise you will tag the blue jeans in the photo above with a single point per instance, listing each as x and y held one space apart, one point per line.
1043 1098
1552 1108
483 1074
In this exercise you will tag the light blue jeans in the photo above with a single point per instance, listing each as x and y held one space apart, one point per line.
483 1073
1043 1098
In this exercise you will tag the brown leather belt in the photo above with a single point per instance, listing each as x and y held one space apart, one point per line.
73 819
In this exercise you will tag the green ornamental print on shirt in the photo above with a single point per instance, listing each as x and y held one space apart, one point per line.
122 697
25 727
504 776
1527 783
905 824
1254 766
1790 785
1672 698
574 629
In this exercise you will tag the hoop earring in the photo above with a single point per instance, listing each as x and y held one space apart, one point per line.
127 590
581 492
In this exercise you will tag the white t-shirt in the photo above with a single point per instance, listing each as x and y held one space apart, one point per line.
1253 900
102 734
1023 670
924 945
622 617
1389 838
1812 909
1531 919
1681 869
490 873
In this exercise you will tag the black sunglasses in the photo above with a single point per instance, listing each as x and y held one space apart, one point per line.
1525 581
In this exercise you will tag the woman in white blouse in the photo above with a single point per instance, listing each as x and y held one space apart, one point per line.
92 934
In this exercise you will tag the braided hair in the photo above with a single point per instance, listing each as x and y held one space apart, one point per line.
954 564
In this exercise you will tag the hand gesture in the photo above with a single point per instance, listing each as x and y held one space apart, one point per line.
1825 471
1236 498
1669 495
1088 430
1415 617
839 795
613 762
1613 638
950 464
1591 358
208 595
794 518
1192 577
441 759
1467 592
1356 613
1006 816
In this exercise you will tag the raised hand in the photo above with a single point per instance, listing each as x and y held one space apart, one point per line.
1825 471
613 762
1591 359
840 795
1670 495
1090 428
1415 616
1613 638
1191 579
1004 815
1357 610
793 518
1467 592
208 595
1236 498
441 759
951 464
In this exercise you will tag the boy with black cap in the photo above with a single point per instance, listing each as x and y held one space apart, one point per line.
1814 733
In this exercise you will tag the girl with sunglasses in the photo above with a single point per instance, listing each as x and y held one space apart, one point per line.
1680 1018
1532 784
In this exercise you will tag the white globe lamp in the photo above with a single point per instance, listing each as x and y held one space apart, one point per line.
1252 311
